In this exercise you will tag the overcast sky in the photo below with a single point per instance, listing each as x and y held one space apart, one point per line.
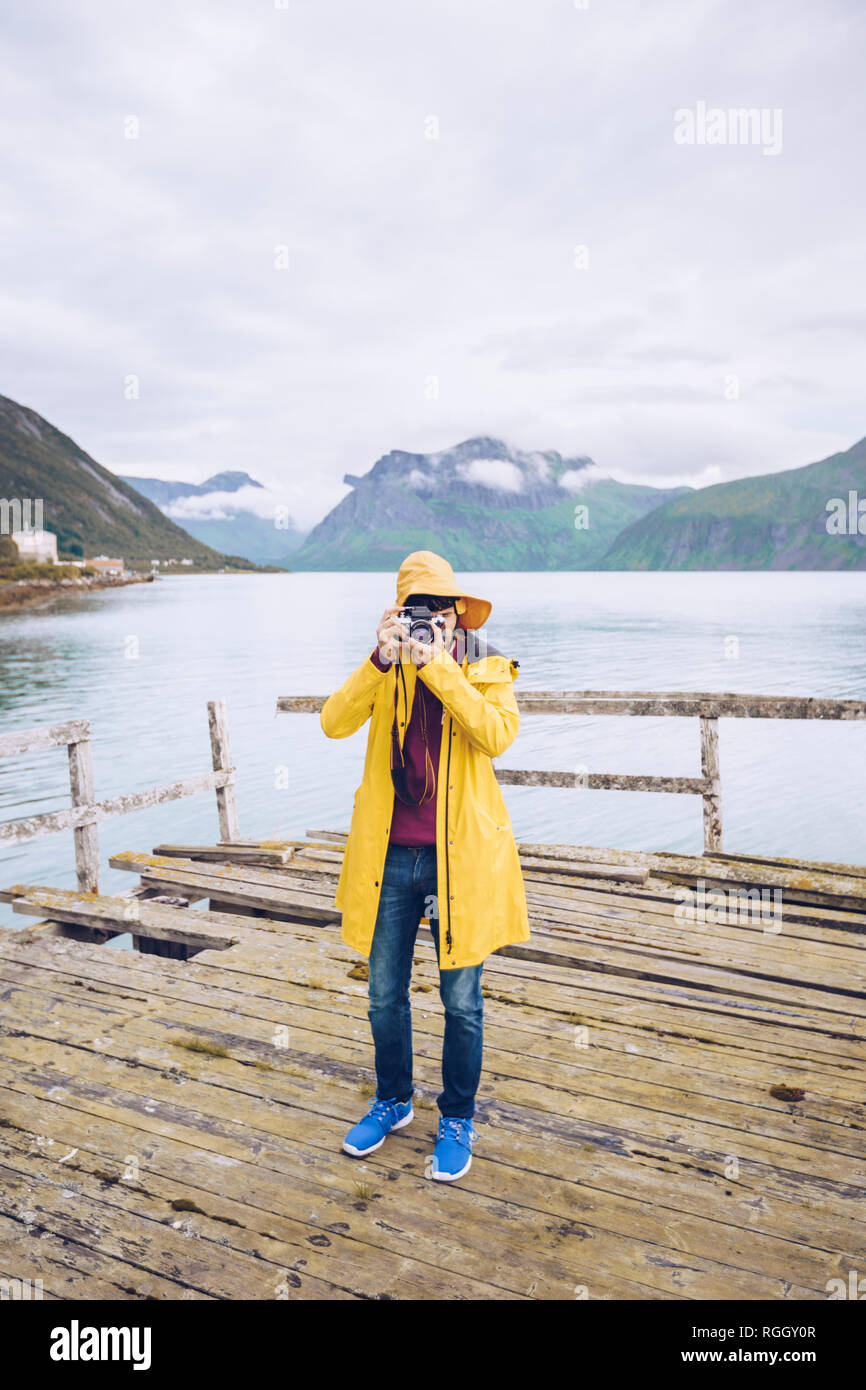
432 289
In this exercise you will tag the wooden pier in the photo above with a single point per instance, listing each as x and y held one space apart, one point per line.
672 1104
667 1110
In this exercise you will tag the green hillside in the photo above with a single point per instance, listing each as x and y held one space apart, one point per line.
777 521
90 510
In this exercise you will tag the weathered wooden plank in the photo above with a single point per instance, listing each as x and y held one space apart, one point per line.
328 862
227 854
31 1011
755 861
586 869
221 757
309 887
662 899
153 946
540 984
43 736
741 910
686 703
662 902
322 858
806 885
775 973
83 793
595 853
118 915
241 884
683 704
18 832
599 781
744 947
556 990
712 789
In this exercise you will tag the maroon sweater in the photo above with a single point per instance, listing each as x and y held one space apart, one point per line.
416 825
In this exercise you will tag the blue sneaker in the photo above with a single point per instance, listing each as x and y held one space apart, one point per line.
452 1155
372 1131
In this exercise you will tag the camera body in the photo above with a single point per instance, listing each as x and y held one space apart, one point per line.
420 623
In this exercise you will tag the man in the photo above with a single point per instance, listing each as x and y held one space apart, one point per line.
430 836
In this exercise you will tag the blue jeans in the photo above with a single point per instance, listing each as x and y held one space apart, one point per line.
408 893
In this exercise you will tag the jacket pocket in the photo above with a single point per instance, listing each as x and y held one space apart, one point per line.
497 824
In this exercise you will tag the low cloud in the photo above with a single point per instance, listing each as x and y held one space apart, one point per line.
219 506
494 473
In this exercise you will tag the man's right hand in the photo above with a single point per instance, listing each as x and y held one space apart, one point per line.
389 635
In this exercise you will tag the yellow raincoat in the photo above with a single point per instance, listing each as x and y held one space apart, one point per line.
482 901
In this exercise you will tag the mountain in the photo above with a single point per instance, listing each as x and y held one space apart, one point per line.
90 510
774 522
223 513
484 505
164 493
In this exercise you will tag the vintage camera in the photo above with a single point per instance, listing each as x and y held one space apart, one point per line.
420 623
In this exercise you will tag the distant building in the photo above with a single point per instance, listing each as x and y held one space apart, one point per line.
106 564
186 562
39 547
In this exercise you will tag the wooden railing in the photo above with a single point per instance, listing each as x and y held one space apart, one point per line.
82 816
707 707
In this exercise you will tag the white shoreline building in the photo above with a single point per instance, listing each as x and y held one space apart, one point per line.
39 547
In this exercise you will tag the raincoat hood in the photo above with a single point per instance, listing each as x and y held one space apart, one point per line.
425 572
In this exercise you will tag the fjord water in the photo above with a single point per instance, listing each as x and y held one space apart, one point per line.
141 663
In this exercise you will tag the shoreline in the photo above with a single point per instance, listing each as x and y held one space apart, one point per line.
16 594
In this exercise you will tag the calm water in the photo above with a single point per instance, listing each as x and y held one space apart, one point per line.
141 663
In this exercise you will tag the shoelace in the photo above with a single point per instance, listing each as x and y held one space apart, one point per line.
379 1109
450 1126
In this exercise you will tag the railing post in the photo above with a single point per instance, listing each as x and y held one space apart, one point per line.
86 837
222 762
712 795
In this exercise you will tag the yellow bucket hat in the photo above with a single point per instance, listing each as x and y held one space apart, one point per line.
424 572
